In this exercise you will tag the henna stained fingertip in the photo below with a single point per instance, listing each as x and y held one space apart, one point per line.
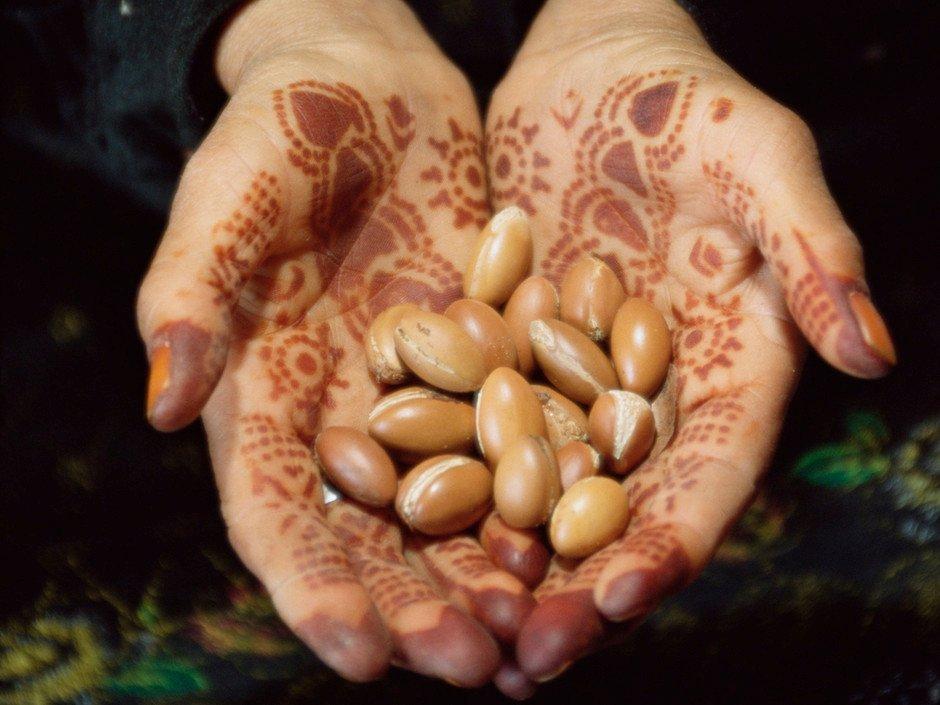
872 327
636 592
512 682
360 652
559 631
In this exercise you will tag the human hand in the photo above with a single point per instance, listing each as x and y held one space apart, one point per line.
623 135
345 175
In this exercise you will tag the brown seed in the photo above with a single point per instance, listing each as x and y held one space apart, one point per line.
564 420
381 356
577 460
356 465
641 347
526 485
417 422
590 297
438 351
621 427
533 299
444 494
664 411
519 552
487 329
591 514
507 409
501 257
572 362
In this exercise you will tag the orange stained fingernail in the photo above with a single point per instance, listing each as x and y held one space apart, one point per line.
159 375
872 326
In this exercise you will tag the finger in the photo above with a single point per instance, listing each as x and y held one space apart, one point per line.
431 636
512 682
273 505
461 569
227 214
519 552
779 198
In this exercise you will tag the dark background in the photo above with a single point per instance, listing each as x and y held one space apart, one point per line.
84 476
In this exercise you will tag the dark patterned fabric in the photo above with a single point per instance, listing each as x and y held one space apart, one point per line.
117 584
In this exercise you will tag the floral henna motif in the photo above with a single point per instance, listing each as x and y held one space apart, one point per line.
514 163
461 159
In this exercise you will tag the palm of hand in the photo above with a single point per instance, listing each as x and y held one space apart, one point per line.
647 171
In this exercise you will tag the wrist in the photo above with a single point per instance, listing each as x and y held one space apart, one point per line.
263 29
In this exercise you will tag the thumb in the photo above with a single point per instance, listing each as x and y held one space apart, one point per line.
225 219
780 201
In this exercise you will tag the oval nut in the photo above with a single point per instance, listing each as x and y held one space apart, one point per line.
444 494
526 485
438 351
356 465
640 346
507 409
382 358
622 428
591 514
577 460
590 297
573 363
500 259
533 299
487 329
564 420
417 422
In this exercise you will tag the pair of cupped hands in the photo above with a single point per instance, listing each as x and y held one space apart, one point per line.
350 171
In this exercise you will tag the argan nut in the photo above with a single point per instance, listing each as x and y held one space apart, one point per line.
577 460
381 356
572 362
664 411
520 552
640 346
591 514
564 420
590 297
356 465
506 410
526 485
487 329
444 494
533 299
501 257
621 427
417 422
438 351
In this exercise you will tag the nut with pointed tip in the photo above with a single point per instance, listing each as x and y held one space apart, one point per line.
590 297
622 428
591 514
356 465
381 356
640 346
417 422
576 461
526 485
444 494
534 298
577 367
501 257
507 409
487 329
564 420
438 351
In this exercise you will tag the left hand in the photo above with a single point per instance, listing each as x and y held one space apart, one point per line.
621 134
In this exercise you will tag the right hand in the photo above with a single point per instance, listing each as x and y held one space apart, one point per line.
344 175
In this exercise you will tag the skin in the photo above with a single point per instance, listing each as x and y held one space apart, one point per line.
347 174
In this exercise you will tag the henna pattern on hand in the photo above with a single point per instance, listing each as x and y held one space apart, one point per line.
514 164
461 162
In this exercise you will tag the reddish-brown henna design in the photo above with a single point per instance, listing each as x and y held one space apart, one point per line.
567 114
461 162
721 109
514 164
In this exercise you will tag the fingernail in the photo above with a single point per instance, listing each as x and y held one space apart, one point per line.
872 326
159 376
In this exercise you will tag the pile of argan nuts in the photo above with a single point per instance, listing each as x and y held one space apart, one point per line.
529 448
